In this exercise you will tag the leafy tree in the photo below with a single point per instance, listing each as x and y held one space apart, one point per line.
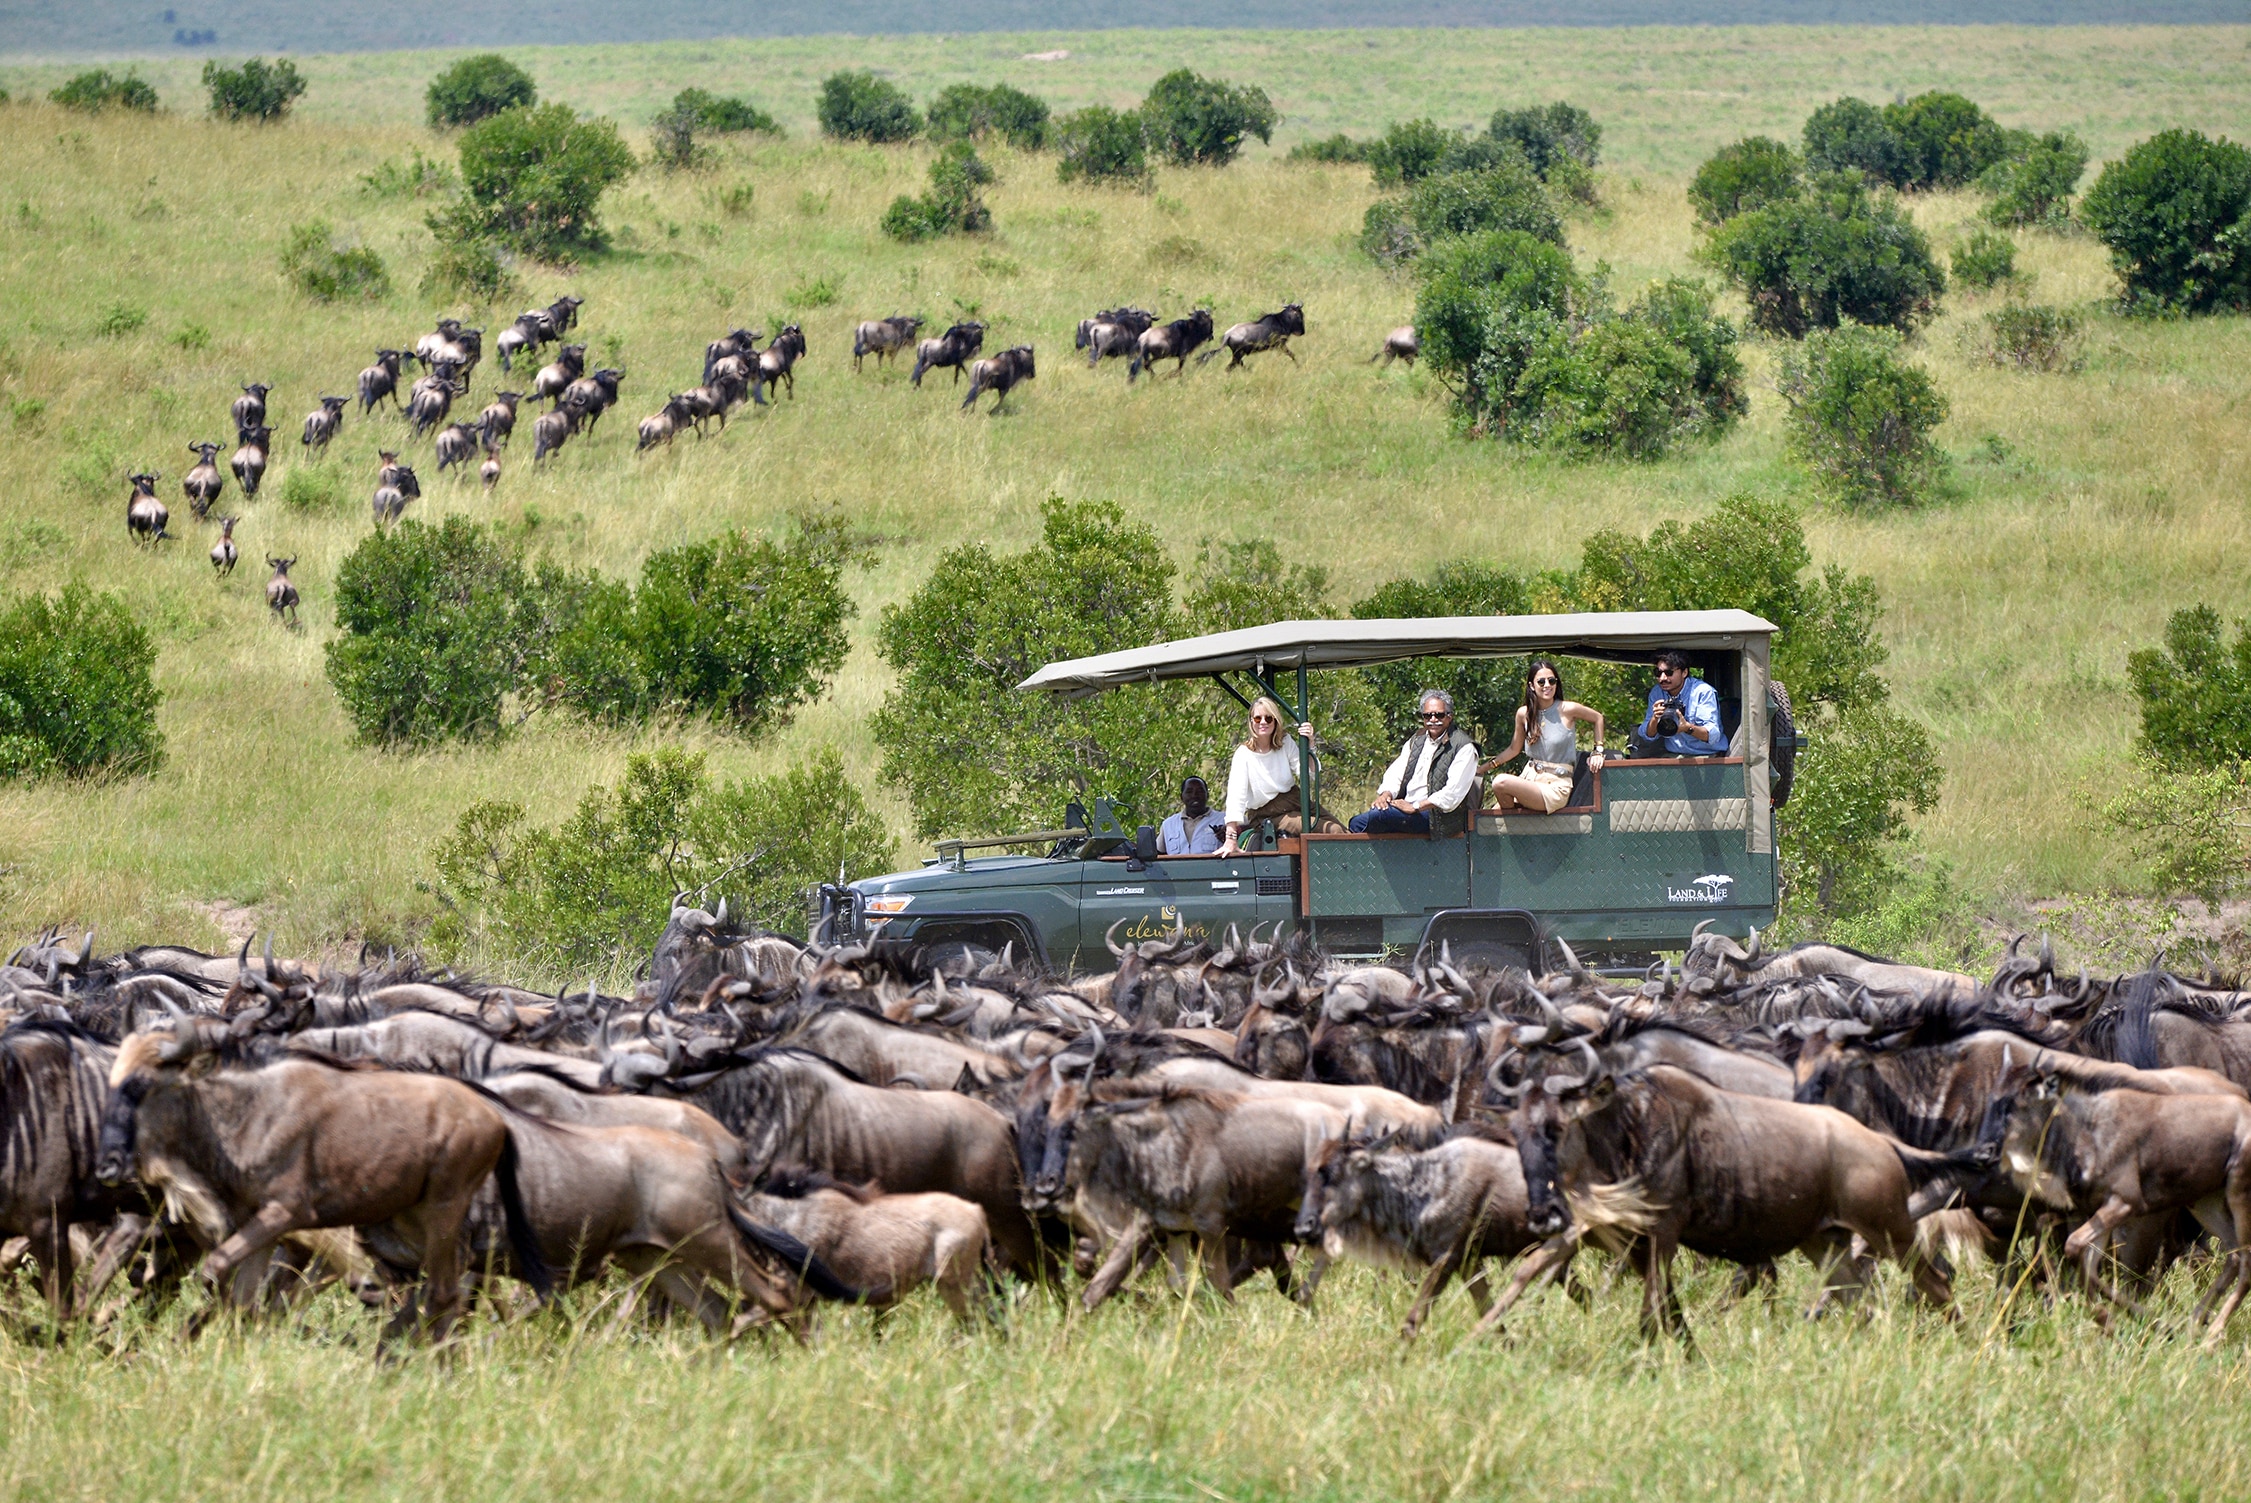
1946 138
1486 693
1750 174
970 112
534 179
1862 417
2033 184
326 272
1507 196
258 90
1867 769
1102 145
2175 212
1194 121
1560 141
1682 310
99 89
436 625
1852 135
477 87
2192 827
969 751
1489 304
858 106
594 889
1835 252
2195 692
1985 260
2032 337
76 695
1620 386
724 114
952 206
1411 150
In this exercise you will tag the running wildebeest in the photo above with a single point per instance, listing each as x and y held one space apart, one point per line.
1401 344
777 363
203 483
380 380
1176 341
145 515
1273 332
223 552
999 375
281 595
249 409
1114 331
883 338
249 462
325 424
955 348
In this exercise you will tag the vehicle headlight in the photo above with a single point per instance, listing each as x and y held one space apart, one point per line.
884 907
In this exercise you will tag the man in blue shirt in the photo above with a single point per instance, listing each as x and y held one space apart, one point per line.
1691 703
1198 829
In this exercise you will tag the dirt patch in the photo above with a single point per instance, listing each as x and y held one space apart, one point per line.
234 920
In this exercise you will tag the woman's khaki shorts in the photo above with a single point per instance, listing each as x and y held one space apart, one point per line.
1554 786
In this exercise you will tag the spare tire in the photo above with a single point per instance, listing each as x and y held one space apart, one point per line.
1782 743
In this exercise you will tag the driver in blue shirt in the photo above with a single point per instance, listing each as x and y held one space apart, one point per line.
1198 829
1683 718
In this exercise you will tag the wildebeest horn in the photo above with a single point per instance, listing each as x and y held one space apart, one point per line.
635 1072
1109 938
1697 933
1530 1034
1851 1028
721 916
1751 951
1556 1085
1570 957
2047 954
242 961
1553 1013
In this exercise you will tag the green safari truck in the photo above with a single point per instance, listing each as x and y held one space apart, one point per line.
1645 851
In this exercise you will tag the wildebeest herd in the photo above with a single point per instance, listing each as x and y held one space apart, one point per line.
762 1126
736 369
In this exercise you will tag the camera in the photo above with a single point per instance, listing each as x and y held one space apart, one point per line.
1666 722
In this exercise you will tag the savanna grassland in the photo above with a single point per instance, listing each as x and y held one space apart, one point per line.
2087 507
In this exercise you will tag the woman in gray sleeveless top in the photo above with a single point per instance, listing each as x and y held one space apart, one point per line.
1549 744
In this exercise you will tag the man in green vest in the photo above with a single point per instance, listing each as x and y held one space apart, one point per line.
1426 791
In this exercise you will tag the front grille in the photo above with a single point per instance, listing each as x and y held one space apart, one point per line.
1277 887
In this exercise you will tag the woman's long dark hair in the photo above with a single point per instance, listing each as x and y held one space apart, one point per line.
1532 700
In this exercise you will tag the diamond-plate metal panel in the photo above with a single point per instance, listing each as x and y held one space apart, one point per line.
1401 876
1677 816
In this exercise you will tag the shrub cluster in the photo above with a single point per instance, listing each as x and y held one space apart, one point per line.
973 112
1985 260
441 625
1751 174
533 179
1559 142
99 89
478 87
1827 252
1193 121
594 889
76 696
2191 814
1935 140
952 206
1101 145
858 106
698 112
2031 337
1862 417
258 90
326 272
2175 212
2033 184
1503 195
1337 148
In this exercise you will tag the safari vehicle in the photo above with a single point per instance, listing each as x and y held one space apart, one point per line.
1645 850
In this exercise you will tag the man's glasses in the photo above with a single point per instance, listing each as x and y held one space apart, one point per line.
1437 715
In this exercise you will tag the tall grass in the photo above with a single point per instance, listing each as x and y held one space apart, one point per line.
1153 1397
2088 508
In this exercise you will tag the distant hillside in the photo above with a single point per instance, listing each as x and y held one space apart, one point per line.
238 26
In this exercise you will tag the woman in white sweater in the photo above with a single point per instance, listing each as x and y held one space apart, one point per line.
1262 782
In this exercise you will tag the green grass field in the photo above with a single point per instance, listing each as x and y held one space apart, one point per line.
2089 506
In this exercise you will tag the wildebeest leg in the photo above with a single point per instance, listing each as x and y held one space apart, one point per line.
1123 1254
1552 1256
2235 1270
1660 1305
1219 1272
1433 1284
1478 1289
273 1221
1317 1268
1284 347
125 1236
2089 1243
50 1249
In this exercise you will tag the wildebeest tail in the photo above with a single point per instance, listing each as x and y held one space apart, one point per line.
522 1241
802 1260
1205 357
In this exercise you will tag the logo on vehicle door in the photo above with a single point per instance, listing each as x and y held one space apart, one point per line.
1714 887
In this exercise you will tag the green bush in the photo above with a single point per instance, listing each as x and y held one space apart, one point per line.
313 488
862 107
465 266
2032 337
1507 196
1387 232
725 114
2175 212
969 751
1549 135
1852 135
1619 387
1194 121
672 141
76 696
1833 253
99 89
1411 150
595 889
121 319
1867 768
1102 145
1985 260
2190 828
436 625
1486 693
318 267
1683 311
973 112
1947 140
1862 417
417 177
258 90
2195 693
2033 184
1750 174
478 87
1337 148
952 206
534 179
1489 304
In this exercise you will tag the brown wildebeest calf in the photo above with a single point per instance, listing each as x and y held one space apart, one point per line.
891 1243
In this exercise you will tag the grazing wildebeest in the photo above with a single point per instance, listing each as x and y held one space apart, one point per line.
251 1154
555 377
325 424
1176 340
883 338
281 595
794 1108
1742 1178
145 515
53 1086
223 552
380 380
1273 332
204 481
956 347
777 363
1441 1210
249 409
1114 331
1401 344
999 375
892 1243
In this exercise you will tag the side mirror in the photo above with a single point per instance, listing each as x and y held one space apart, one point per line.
1144 848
